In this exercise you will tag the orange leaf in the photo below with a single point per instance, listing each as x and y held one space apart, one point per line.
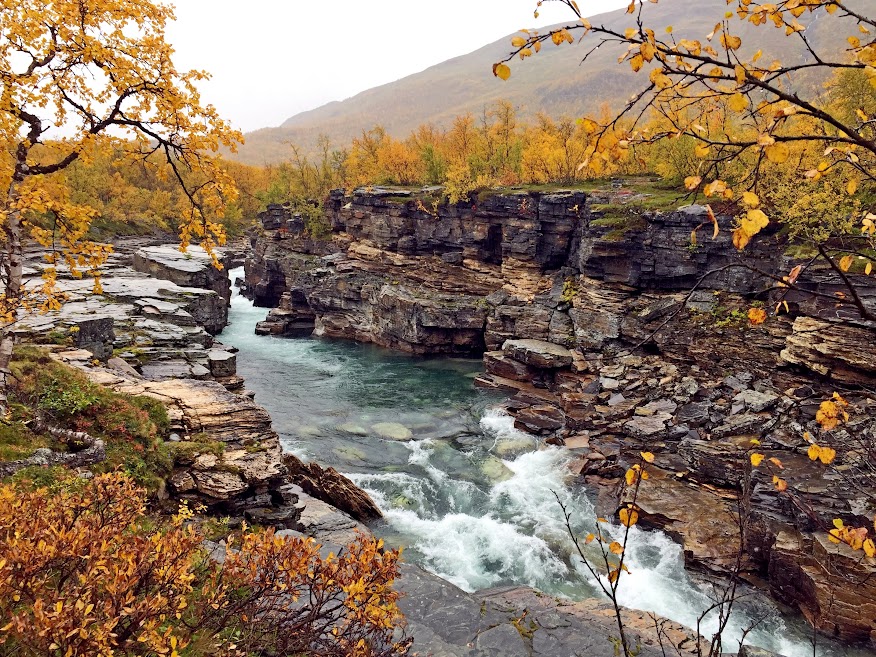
628 517
757 316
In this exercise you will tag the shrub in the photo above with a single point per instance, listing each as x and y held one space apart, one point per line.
84 571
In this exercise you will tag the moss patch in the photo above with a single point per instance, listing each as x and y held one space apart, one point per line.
132 428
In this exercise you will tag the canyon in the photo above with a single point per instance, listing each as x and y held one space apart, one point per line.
607 331
613 332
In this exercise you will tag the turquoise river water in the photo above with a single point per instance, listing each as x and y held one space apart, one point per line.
469 497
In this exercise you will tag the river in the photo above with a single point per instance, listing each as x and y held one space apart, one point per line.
469 497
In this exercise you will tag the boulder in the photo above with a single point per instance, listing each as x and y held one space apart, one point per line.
96 335
542 418
538 353
222 363
329 485
218 485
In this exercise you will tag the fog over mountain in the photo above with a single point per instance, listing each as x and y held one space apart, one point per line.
555 81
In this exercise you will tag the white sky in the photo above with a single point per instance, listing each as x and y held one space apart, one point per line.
271 59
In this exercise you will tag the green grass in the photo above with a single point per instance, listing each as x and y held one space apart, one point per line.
132 427
17 441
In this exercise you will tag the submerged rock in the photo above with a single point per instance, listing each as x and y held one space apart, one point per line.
392 431
495 470
353 429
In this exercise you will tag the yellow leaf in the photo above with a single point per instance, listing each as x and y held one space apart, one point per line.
869 548
518 42
647 457
660 79
738 102
731 42
814 452
780 484
868 268
776 462
852 187
756 459
702 150
740 238
845 262
501 71
613 575
750 199
692 182
777 153
616 548
837 523
827 455
631 476
753 222
628 517
637 62
711 214
589 539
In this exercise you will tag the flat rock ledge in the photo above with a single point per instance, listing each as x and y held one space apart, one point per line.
519 622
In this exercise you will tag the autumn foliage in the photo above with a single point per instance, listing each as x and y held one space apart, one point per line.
84 571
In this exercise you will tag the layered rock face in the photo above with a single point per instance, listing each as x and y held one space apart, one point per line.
403 278
194 268
615 334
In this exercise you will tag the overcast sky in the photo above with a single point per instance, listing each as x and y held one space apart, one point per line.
271 59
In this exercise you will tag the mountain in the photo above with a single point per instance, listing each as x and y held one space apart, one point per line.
555 81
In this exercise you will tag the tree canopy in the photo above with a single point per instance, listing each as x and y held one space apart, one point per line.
75 73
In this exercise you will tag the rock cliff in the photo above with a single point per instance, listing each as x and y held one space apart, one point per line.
613 333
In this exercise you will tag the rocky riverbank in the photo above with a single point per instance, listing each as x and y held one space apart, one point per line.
147 334
613 334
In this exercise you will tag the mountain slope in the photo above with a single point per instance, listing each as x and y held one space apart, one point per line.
555 81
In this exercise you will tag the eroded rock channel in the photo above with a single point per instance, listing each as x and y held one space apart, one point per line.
590 339
642 343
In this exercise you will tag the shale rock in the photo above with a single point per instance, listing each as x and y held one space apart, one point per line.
330 486
844 353
538 353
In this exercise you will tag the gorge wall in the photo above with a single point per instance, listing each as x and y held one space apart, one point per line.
613 333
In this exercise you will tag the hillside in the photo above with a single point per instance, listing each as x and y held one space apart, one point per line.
555 81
